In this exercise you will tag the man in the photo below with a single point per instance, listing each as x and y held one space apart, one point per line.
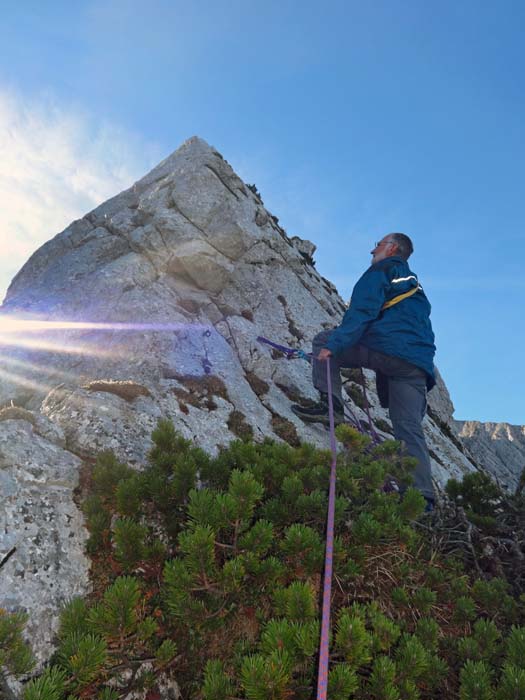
386 328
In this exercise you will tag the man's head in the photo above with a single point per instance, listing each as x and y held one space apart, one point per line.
392 244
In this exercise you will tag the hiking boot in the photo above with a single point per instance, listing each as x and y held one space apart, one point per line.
429 505
391 485
318 413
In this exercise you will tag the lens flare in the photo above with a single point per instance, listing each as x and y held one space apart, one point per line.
33 334
15 378
12 325
7 360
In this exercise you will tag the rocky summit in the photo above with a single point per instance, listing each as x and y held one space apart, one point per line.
156 300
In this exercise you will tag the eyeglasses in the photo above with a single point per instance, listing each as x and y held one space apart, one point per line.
378 244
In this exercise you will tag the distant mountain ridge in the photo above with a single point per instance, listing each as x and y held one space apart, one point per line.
498 447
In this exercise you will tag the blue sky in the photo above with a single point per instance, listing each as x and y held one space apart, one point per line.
354 119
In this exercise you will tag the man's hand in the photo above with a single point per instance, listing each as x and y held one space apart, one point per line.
324 354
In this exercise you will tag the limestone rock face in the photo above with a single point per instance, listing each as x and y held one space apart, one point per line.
173 280
499 448
42 529
439 401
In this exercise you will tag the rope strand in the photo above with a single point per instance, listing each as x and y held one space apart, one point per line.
322 682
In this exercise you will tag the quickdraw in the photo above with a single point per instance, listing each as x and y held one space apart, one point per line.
206 364
289 352
292 353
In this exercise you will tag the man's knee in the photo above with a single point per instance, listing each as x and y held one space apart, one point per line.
408 427
407 401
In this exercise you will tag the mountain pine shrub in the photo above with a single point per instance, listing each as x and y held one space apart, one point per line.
479 495
51 685
210 568
16 657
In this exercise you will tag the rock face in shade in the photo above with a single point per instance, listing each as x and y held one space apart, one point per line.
499 448
191 250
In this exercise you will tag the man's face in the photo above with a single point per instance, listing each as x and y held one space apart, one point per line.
384 249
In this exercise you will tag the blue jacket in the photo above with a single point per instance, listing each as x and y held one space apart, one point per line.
403 330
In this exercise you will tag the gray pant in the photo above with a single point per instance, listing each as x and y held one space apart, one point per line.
407 398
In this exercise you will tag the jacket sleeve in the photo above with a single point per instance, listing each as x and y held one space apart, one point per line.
368 297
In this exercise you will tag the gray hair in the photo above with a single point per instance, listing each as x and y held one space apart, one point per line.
404 244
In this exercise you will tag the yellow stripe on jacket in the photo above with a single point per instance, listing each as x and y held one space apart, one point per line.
399 298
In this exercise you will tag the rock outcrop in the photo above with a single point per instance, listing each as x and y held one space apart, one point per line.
42 529
173 280
499 448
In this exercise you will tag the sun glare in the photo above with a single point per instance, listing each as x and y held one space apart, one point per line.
13 325
8 361
35 334
15 378
57 347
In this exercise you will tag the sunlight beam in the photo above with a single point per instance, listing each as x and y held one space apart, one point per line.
9 325
37 368
15 378
59 348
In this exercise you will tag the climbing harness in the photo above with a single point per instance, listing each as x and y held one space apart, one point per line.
400 297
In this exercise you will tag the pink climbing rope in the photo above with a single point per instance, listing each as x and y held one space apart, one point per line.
322 679
324 644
